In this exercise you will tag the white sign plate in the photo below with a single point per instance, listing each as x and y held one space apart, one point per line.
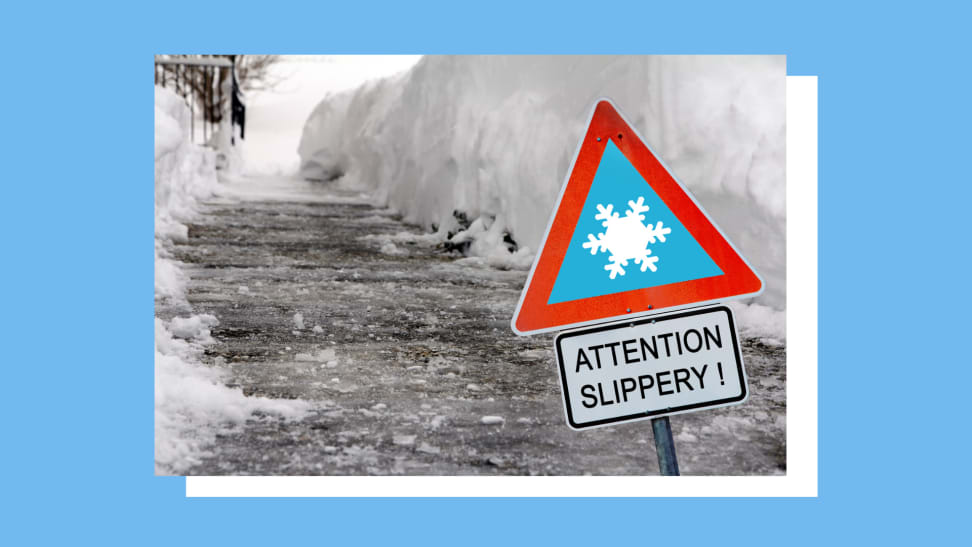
650 367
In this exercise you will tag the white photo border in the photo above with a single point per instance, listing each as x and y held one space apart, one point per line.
801 384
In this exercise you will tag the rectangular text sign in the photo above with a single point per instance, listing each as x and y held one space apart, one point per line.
649 367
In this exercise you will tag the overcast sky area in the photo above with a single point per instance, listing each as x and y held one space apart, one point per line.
275 118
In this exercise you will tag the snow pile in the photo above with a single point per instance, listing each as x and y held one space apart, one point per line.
487 239
493 137
761 322
193 328
192 404
184 174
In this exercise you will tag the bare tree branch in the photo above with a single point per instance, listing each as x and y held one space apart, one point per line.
204 84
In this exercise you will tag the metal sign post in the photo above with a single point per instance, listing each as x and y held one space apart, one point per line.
665 446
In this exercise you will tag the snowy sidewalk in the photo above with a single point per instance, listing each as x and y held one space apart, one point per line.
406 354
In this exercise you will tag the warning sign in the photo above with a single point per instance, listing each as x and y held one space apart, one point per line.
649 367
626 239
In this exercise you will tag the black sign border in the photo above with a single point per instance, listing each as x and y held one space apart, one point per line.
660 412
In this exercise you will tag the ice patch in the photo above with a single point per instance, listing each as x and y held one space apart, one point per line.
430 239
536 354
390 248
686 437
327 356
403 440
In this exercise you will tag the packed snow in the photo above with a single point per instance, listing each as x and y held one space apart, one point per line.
184 174
493 136
192 403
193 328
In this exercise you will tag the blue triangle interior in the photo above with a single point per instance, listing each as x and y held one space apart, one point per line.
583 275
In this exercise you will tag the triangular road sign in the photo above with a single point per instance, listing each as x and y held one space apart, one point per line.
626 239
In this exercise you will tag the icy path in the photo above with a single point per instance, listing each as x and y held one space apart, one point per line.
403 354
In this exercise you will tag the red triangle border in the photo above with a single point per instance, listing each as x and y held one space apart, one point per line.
533 315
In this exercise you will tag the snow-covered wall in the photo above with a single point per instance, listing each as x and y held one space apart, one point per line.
494 136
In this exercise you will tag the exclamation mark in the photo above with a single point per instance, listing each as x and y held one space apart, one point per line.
722 381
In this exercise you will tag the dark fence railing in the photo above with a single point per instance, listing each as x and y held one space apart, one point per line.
206 83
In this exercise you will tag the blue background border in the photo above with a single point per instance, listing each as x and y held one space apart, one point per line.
77 279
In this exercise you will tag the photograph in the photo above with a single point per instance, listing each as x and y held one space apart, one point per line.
451 265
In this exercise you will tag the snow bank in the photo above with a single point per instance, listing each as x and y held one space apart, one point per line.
493 137
192 404
762 322
184 174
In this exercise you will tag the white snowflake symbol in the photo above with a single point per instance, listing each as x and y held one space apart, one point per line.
627 238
